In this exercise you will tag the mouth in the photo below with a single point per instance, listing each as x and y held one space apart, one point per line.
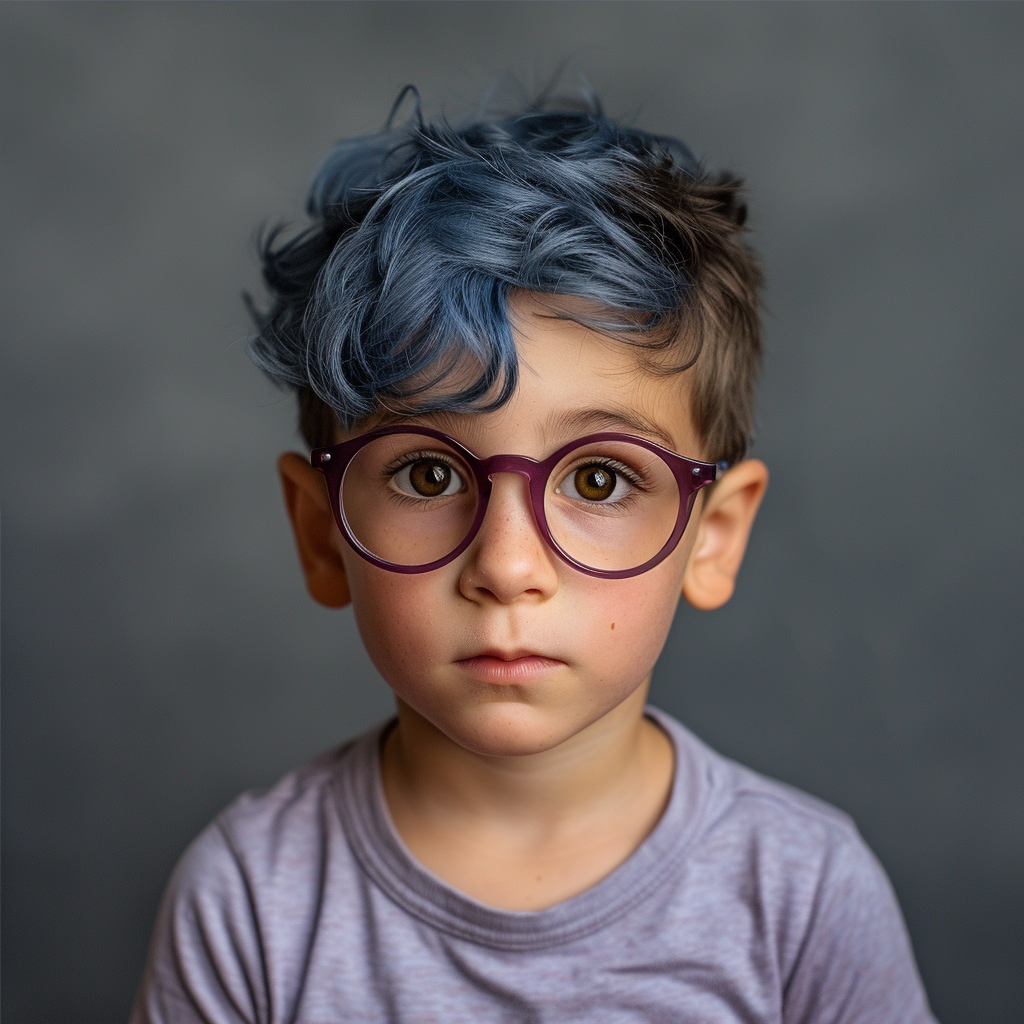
507 667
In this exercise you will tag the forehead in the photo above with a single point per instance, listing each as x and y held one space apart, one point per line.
573 380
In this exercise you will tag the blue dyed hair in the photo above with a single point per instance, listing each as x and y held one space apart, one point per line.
422 234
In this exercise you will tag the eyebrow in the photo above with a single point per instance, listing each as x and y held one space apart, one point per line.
441 419
561 426
581 420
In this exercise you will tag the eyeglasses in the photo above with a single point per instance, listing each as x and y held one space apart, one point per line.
410 499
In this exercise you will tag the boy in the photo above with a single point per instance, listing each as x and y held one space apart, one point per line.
524 353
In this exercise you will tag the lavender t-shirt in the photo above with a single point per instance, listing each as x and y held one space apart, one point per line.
748 902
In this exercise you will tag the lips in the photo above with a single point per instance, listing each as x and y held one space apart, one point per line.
509 667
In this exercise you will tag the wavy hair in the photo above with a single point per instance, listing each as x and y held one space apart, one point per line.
420 236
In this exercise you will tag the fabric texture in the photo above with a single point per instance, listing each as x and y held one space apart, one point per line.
748 902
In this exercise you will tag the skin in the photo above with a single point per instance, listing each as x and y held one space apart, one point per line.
521 769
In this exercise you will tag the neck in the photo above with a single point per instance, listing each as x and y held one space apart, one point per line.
426 772
526 832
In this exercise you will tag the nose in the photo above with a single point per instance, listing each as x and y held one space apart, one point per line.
508 559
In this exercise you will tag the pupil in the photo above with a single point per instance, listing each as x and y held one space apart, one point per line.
430 478
595 483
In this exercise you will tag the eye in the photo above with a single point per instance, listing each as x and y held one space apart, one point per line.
594 482
428 477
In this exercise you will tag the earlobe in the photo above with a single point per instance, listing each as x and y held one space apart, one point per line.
316 535
725 524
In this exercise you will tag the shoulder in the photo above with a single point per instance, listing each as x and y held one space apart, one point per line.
793 846
247 888
262 825
732 796
799 867
274 842
805 859
263 846
290 812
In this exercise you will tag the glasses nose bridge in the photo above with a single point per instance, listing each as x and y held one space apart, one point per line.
521 465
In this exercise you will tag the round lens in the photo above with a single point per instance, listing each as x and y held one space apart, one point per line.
408 499
611 505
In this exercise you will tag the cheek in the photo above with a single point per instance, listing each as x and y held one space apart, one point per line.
400 617
626 624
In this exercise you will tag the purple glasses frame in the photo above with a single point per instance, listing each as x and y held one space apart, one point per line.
690 476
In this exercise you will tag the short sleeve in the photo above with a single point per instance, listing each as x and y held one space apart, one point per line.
204 959
855 964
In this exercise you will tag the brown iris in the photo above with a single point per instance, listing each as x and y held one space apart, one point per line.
595 483
430 478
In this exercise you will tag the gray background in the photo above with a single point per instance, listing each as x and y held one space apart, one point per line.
160 653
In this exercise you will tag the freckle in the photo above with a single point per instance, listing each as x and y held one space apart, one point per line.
613 625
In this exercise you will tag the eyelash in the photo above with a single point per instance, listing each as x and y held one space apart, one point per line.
392 469
411 457
613 464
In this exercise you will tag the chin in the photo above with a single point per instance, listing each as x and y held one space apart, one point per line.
507 729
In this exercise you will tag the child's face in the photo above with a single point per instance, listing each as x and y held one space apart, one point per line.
507 650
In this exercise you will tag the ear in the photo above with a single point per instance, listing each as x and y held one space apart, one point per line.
316 534
725 524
